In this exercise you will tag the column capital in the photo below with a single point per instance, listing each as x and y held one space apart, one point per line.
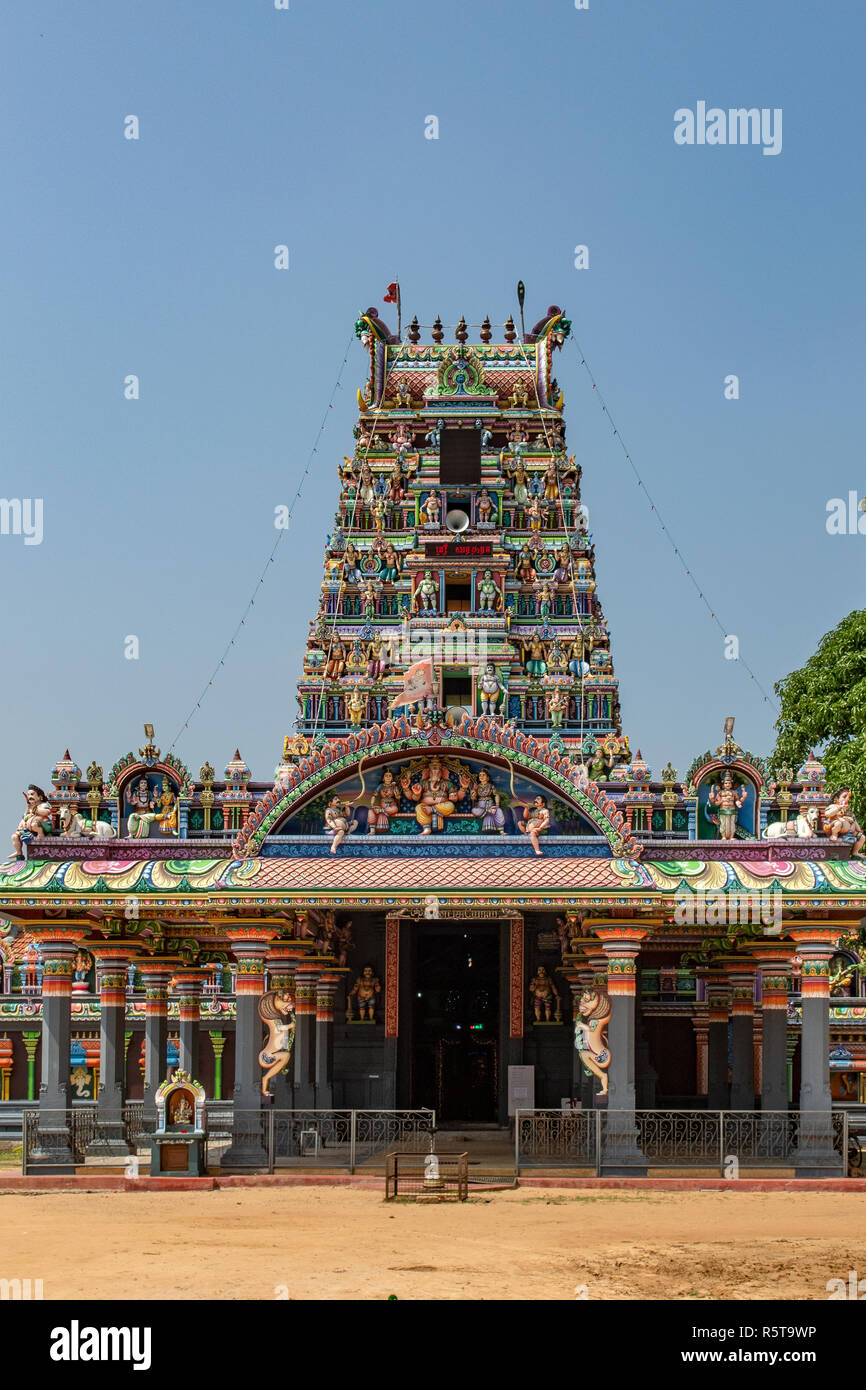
818 941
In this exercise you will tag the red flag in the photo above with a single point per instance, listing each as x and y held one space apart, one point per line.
393 293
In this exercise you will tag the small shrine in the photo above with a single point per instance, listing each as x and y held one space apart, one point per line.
178 1142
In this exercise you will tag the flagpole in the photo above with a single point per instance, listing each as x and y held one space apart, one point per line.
399 314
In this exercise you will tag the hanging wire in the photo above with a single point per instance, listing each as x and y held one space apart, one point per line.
275 547
654 509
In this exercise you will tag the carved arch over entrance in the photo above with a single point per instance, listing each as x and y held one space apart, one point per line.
512 752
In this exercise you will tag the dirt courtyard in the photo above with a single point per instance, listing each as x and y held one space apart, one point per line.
334 1243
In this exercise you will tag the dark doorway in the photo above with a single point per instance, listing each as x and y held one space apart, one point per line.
456 1021
459 456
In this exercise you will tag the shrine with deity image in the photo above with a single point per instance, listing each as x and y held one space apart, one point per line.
462 888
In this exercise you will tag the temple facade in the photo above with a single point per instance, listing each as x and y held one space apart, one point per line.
461 869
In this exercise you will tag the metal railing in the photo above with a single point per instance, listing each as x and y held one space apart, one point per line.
646 1139
345 1139
258 1140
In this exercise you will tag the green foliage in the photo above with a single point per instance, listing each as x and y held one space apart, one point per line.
824 708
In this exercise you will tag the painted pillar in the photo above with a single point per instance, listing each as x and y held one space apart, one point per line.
774 961
306 976
53 1152
5 1066
249 945
814 1155
218 1042
326 988
621 940
31 1043
741 981
186 988
155 975
114 961
718 995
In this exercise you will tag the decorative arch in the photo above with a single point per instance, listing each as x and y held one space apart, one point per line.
477 736
706 770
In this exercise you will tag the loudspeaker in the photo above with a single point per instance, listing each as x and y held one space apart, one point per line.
457 520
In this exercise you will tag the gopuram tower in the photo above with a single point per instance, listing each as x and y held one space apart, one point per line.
461 540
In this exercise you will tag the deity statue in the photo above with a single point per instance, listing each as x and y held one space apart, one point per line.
36 821
486 799
364 990
590 1034
390 565
369 601
489 597
490 688
729 802
377 658
182 1111
351 565
526 566
144 809
551 482
366 485
838 820
483 508
519 489
534 656
433 794
384 803
435 434
486 435
426 596
344 944
430 510
562 572
576 665
337 821
335 668
556 707
536 818
277 1012
545 601
545 997
379 511
357 706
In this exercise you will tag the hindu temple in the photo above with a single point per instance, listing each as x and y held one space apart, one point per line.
462 888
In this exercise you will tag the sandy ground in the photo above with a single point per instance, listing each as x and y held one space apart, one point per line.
331 1243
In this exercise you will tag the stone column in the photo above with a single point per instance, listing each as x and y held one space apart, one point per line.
621 1155
155 975
701 1027
718 1089
740 974
53 1152
774 961
326 988
186 988
305 1036
113 959
249 944
814 1156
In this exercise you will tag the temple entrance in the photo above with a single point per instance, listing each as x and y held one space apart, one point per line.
456 1021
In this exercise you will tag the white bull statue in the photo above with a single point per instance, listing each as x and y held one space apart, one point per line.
75 826
803 828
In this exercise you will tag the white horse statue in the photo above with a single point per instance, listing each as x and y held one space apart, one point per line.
75 826
803 828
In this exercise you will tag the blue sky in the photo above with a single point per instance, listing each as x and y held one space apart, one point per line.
260 127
